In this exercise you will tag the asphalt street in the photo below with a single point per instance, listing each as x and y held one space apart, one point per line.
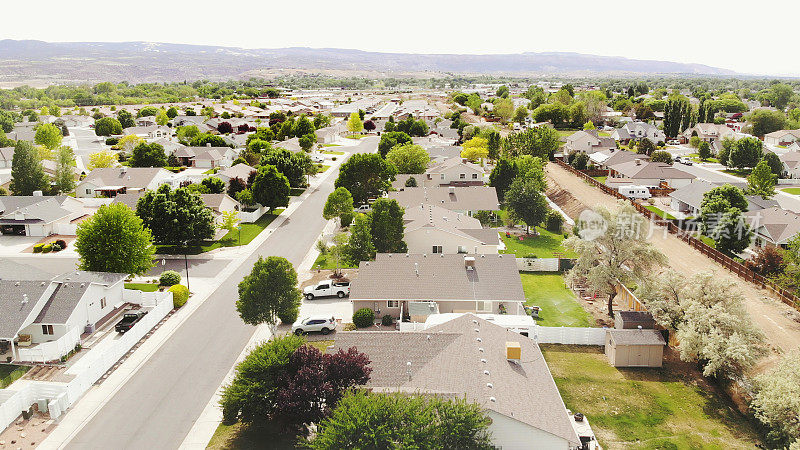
157 407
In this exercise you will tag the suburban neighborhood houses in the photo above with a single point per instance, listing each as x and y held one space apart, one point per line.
291 245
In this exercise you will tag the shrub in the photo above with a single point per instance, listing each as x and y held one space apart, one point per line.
349 327
554 221
47 248
289 315
61 243
38 248
169 278
112 141
56 247
387 320
333 158
180 294
364 318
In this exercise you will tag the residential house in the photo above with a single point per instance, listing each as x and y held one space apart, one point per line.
451 172
38 215
782 137
148 131
588 142
110 181
790 160
61 308
75 121
471 358
638 130
607 158
651 174
773 227
205 157
709 132
146 121
688 199
241 171
327 135
217 203
464 199
432 229
456 283
6 157
170 146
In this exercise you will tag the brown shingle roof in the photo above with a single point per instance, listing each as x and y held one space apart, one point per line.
468 198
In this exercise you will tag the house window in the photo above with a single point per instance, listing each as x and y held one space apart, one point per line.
437 249
474 176
483 307
88 192
103 303
441 177
392 304
462 176
47 330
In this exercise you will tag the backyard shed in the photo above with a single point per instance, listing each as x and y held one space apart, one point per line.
633 320
634 348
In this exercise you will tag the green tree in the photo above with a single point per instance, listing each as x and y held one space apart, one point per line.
645 147
48 135
704 151
114 240
339 204
103 158
397 420
290 164
270 188
214 185
162 118
493 140
125 119
175 216
65 177
365 176
717 201
781 93
268 292
661 156
27 174
589 126
762 181
388 227
731 233
409 158
360 246
503 175
303 127
764 121
747 152
502 91
555 113
147 111
475 149
390 139
776 402
188 132
526 202
354 124
148 155
172 112
504 109
774 162
541 142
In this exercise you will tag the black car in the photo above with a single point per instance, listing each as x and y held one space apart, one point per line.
129 320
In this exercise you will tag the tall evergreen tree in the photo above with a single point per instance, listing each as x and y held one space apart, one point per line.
27 174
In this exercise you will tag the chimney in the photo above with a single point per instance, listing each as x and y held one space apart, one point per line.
513 351
452 190
208 144
416 268
37 193
638 162
469 262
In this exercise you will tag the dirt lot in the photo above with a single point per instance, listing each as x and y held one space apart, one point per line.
780 323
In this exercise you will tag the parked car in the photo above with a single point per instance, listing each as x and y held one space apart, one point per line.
363 209
317 158
327 289
321 324
129 320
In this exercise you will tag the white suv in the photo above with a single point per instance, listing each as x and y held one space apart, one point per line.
314 323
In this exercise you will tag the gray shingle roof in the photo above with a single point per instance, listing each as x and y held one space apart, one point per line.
637 337
130 177
438 277
62 303
448 360
35 209
13 310
467 198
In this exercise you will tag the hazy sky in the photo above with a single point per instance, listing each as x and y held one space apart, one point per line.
751 37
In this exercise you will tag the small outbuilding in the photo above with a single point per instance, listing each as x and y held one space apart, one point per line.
633 320
634 348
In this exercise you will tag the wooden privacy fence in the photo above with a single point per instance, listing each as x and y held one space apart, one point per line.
724 260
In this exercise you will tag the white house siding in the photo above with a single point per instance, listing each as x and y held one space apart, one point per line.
511 434
422 240
89 310
381 307
453 175
35 330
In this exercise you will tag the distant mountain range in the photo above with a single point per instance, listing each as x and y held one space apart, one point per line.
48 62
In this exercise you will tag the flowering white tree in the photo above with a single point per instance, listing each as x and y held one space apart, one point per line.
776 401
612 248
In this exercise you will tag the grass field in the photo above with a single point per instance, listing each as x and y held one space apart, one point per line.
653 408
696 158
146 287
743 173
10 373
356 136
660 212
249 232
294 192
707 240
793 191
545 245
601 179
559 307
325 262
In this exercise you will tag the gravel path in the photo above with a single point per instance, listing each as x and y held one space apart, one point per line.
780 323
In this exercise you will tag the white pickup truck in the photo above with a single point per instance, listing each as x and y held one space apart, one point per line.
328 289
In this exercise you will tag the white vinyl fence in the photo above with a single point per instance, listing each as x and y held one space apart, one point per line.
568 335
87 370
50 351
537 264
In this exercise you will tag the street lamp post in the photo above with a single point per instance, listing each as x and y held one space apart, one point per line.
239 227
186 263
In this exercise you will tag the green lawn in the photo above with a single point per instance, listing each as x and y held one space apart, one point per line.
563 134
294 192
546 245
559 307
249 232
325 262
741 173
146 287
10 373
601 179
356 136
696 158
793 191
707 240
660 212
323 167
656 408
